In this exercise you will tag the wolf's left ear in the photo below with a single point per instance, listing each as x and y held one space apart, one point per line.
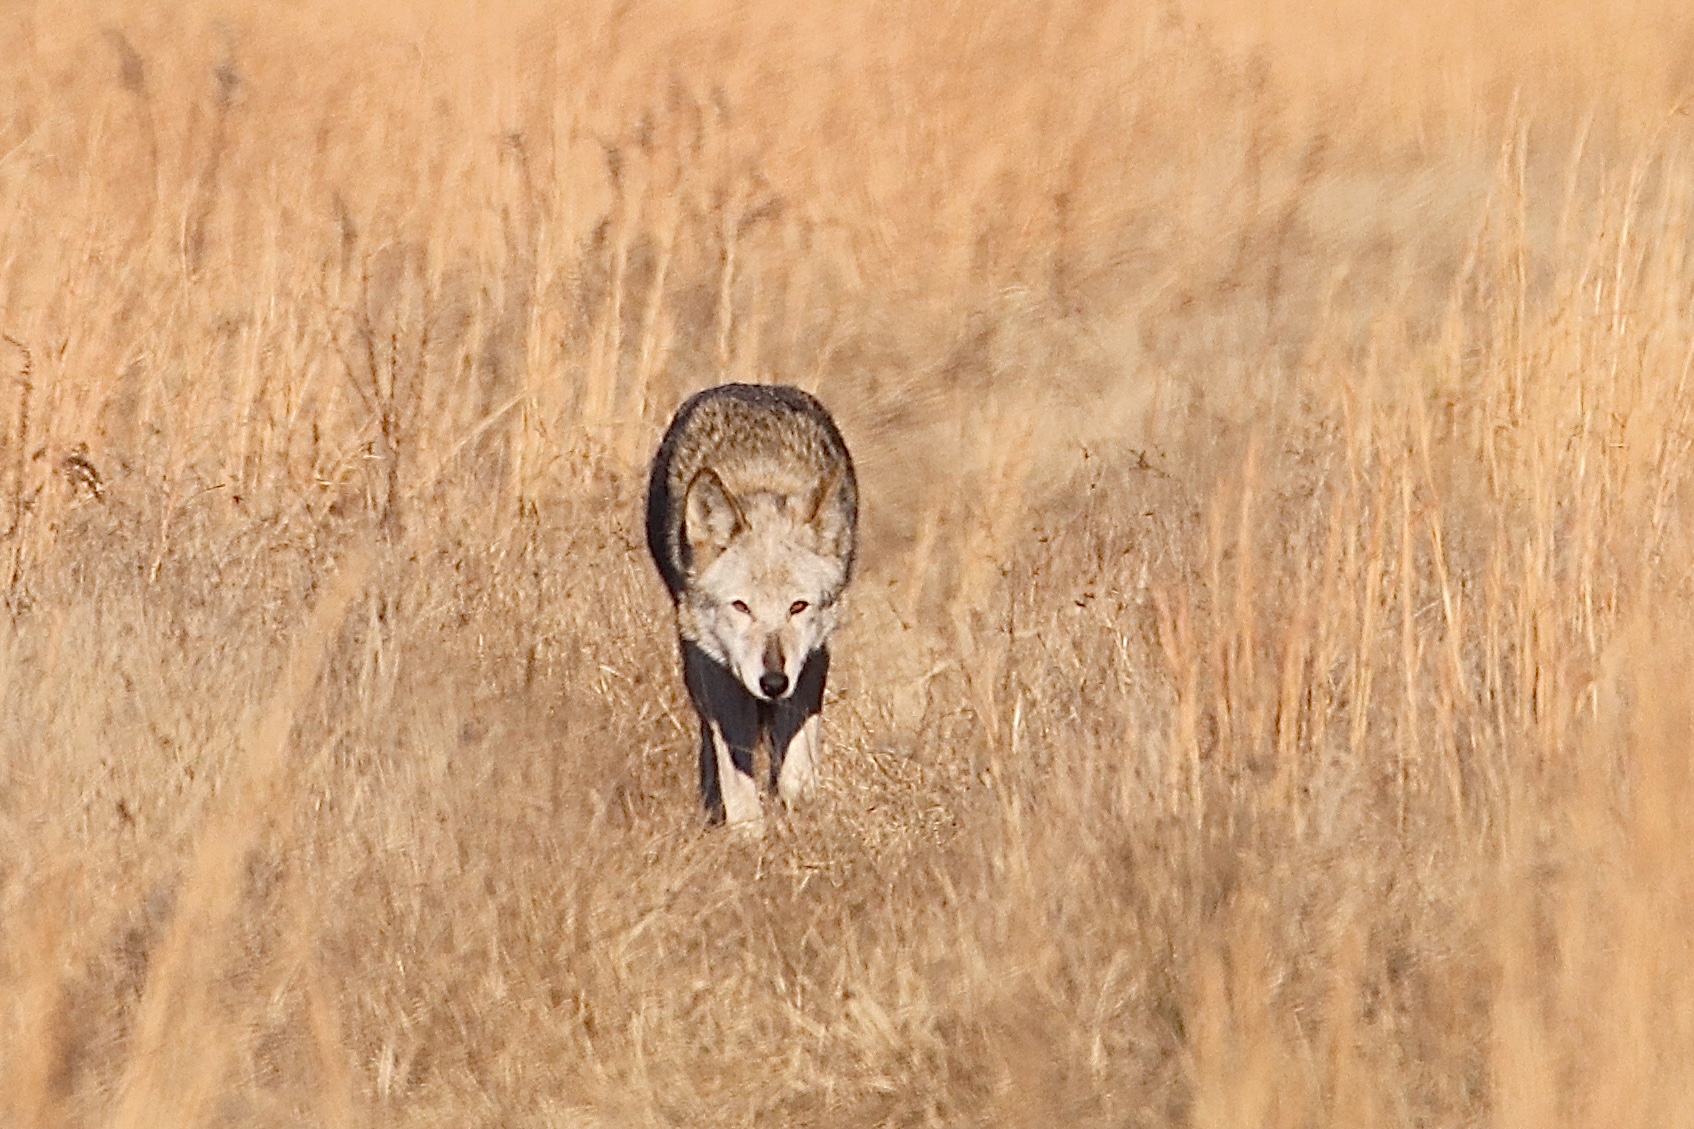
831 511
711 518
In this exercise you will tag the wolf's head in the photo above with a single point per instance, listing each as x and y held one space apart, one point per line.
766 571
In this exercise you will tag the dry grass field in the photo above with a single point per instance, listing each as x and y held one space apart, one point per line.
1266 695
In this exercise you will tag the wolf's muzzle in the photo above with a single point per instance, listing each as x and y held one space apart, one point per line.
773 683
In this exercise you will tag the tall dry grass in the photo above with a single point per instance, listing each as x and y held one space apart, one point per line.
1265 700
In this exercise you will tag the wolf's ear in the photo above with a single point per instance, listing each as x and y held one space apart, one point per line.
711 518
827 511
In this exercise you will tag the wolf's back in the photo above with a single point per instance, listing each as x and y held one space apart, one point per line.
759 438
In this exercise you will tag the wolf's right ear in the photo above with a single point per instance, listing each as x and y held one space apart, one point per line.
711 518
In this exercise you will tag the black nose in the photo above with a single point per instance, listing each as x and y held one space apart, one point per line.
774 683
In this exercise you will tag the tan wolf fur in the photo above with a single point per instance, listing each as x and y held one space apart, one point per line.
752 514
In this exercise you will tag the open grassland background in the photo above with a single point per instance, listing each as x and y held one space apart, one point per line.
1266 700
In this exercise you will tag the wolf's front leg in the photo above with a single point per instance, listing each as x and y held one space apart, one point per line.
729 732
797 731
737 789
799 772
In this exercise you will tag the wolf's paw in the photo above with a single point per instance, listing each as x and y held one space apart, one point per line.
750 827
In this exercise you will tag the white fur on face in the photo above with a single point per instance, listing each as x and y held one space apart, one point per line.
768 568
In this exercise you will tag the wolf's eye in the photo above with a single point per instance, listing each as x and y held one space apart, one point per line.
797 607
741 607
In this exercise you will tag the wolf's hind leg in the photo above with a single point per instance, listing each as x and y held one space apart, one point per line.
797 732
